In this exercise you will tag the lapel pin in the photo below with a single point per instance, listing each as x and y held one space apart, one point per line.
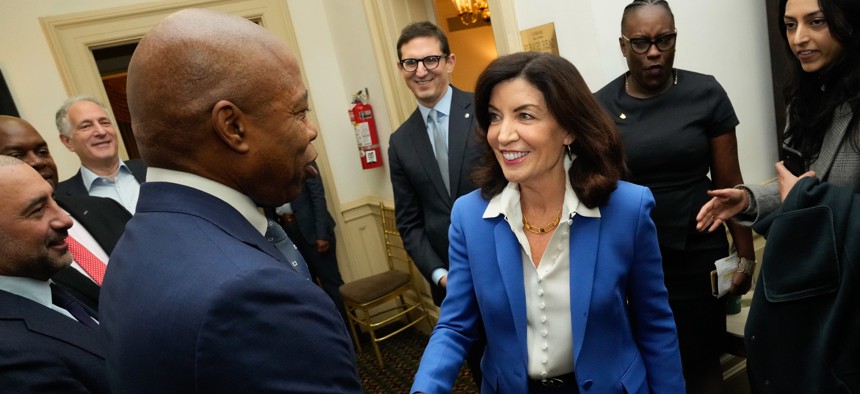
467 115
622 116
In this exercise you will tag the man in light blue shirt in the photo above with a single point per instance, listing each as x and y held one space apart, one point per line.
87 130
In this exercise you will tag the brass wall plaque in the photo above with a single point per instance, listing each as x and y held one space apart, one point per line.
540 39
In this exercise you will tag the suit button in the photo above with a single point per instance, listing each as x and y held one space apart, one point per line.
587 384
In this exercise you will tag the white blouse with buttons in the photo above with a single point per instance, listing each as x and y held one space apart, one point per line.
549 331
547 287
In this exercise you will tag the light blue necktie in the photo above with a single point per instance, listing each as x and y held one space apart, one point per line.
439 146
278 237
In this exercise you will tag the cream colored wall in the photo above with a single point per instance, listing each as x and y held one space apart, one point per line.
30 70
334 42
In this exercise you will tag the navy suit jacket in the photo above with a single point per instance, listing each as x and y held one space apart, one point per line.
74 186
42 351
421 203
105 220
624 335
197 300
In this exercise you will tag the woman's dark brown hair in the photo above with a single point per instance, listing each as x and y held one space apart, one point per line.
597 145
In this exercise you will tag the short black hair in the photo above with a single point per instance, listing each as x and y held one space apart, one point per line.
638 3
422 29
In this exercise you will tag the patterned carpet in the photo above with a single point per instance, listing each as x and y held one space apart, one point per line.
401 355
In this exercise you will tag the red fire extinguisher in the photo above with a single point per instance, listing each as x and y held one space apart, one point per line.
361 115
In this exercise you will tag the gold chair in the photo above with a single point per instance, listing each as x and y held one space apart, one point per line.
363 298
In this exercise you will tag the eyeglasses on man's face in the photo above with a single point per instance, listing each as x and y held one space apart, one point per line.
430 63
641 45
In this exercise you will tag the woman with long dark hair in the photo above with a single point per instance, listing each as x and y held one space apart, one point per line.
556 255
801 334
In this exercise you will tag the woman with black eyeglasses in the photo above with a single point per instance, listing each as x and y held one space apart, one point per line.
677 126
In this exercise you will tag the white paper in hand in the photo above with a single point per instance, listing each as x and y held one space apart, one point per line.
721 278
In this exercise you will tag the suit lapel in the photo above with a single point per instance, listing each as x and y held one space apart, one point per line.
75 280
75 185
422 147
459 130
138 169
508 257
102 217
584 234
41 320
832 141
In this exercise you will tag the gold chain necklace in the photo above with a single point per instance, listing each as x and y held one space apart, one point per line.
542 230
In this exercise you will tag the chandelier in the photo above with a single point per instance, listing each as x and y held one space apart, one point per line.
471 10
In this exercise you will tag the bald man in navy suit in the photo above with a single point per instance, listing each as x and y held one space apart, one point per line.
48 341
100 219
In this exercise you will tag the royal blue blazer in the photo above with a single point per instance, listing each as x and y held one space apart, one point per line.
624 334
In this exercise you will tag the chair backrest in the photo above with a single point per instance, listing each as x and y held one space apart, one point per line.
394 249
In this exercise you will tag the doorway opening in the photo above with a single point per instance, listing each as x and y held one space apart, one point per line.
473 44
112 63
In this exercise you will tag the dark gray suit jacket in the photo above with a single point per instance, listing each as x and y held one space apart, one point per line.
105 220
74 186
42 351
838 163
421 203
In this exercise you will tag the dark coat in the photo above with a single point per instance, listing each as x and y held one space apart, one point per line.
105 220
42 351
421 203
803 325
197 300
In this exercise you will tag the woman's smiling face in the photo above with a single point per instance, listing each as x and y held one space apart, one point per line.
809 35
524 134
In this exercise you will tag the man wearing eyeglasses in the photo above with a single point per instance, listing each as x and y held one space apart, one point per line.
431 155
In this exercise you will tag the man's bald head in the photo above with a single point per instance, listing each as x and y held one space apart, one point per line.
186 64
216 95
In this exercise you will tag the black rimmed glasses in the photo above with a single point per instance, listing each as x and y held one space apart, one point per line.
641 45
430 63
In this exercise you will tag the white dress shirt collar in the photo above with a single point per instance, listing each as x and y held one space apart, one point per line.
507 203
233 197
88 176
443 106
38 291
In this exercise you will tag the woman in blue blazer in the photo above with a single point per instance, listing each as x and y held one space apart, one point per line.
568 305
